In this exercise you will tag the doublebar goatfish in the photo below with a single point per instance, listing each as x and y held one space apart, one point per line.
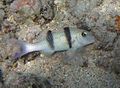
70 38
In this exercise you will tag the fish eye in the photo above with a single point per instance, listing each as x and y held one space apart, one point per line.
84 34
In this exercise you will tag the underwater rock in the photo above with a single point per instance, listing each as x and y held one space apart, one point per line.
83 70
26 80
116 61
8 27
8 1
47 9
117 47
1 4
26 7
110 60
105 38
2 52
1 76
117 23
38 10
2 13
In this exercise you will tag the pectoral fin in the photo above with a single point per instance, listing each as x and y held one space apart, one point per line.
71 53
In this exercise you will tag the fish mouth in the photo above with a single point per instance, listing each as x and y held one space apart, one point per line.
91 39
92 42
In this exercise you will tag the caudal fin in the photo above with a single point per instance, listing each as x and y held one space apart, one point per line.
25 48
20 48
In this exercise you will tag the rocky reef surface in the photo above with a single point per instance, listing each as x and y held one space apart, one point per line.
97 66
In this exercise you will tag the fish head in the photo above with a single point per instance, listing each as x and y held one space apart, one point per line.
86 38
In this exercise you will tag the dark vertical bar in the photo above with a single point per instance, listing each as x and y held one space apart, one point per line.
68 36
49 38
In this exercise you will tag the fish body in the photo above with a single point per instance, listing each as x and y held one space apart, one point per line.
70 38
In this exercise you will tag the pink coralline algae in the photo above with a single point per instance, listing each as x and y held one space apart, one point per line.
26 6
